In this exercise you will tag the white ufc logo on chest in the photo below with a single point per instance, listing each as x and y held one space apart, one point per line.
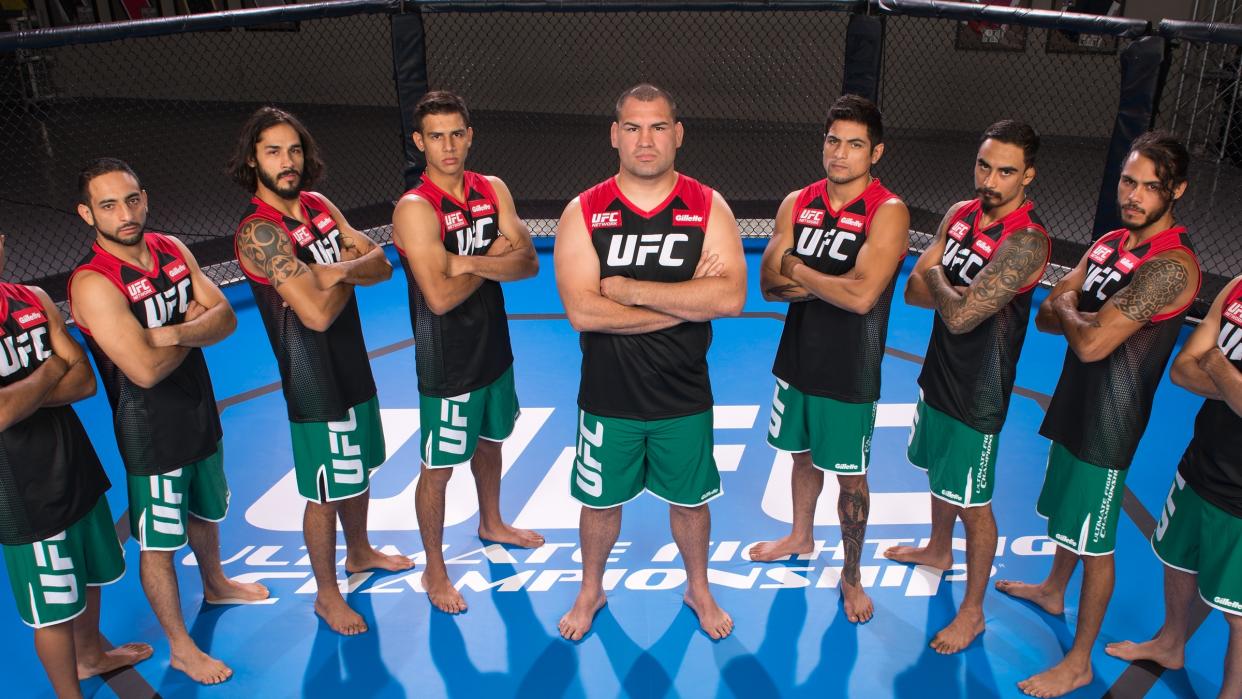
635 249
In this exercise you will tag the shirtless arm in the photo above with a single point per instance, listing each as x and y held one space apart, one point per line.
577 280
917 293
516 260
878 262
363 263
1015 264
211 318
701 298
267 253
1200 367
1157 285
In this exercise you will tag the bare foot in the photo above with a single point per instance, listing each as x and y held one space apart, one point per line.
1060 679
960 632
505 534
1047 600
577 621
339 616
227 591
200 667
776 550
714 621
1165 654
920 555
370 559
107 661
443 595
858 607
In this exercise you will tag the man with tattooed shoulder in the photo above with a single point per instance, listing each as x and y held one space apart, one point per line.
303 260
979 275
1120 310
837 273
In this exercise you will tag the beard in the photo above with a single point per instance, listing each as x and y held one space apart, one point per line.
1149 219
135 235
990 199
273 183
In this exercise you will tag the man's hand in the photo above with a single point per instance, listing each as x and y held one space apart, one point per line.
194 310
1067 300
788 262
618 289
709 266
1212 360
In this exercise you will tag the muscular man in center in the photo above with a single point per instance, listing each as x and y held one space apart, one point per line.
644 260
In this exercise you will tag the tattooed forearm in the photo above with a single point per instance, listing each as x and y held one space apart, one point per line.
1020 256
789 292
269 250
853 506
1156 284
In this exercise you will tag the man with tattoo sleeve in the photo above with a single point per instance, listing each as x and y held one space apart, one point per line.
459 236
645 260
56 529
979 275
1120 309
838 276
1199 538
146 310
303 260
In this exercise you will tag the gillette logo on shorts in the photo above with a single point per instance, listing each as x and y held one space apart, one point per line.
606 219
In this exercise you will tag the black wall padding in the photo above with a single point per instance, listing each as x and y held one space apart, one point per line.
1140 79
409 69
864 49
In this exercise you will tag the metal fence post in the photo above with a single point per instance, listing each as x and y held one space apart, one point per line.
409 72
1140 82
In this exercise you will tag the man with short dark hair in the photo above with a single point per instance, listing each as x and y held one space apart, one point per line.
644 261
978 274
303 260
56 528
837 273
146 310
459 236
1120 310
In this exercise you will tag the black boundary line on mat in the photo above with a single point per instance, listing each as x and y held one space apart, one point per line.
1135 681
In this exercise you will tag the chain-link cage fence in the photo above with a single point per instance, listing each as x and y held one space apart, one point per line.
172 106
946 81
1200 104
752 91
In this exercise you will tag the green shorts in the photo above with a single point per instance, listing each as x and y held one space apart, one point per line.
1198 537
1082 503
838 434
618 458
334 460
450 428
960 461
50 577
158 504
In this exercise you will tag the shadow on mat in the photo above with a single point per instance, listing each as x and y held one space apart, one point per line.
540 664
344 666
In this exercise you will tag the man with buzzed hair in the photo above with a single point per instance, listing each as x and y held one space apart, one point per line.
837 273
978 274
303 260
644 260
147 310
1120 310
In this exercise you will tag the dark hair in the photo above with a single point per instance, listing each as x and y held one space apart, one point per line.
264 118
645 92
1168 154
1015 133
440 102
859 110
101 166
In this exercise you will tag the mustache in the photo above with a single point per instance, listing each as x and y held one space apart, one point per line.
985 192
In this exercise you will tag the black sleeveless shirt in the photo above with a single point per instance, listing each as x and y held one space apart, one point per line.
175 422
826 350
468 347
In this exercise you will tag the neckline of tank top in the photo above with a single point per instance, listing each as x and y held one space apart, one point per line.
155 258
875 181
445 193
301 205
647 213
1177 229
1026 206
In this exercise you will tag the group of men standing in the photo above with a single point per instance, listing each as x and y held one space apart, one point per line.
644 261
